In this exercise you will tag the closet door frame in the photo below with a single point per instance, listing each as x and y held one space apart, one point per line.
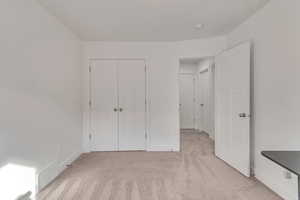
89 135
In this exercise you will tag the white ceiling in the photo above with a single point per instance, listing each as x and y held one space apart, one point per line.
151 20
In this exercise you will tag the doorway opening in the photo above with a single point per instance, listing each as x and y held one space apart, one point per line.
196 90
215 106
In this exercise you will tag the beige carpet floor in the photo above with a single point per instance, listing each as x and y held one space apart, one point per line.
193 174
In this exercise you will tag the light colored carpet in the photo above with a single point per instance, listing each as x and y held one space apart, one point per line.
193 174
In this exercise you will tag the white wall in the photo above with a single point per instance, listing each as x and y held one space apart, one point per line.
188 68
163 67
40 92
275 32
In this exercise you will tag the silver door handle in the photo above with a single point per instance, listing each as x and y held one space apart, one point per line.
243 115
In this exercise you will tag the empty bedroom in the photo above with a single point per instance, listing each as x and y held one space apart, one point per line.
149 100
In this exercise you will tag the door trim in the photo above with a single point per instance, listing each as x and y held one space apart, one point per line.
89 133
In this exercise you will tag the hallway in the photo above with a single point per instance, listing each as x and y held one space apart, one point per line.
193 174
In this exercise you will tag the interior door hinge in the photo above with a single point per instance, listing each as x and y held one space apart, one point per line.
90 69
146 135
90 103
90 136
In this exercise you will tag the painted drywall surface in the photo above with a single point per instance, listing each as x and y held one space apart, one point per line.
188 68
151 20
162 60
275 32
200 48
40 120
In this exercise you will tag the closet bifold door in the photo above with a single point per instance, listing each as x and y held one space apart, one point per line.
132 94
104 107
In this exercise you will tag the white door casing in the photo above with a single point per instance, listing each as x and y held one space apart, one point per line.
187 98
104 99
132 88
232 107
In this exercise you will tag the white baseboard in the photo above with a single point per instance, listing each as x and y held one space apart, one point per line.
273 178
163 148
49 173
71 159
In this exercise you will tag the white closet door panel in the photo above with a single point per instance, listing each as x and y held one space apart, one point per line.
187 112
132 93
104 120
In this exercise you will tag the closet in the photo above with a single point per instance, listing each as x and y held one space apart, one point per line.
118 105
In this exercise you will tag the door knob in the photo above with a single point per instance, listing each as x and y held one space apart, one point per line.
115 109
202 104
243 115
121 109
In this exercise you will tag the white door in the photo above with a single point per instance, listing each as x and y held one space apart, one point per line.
232 109
132 93
204 104
104 119
187 111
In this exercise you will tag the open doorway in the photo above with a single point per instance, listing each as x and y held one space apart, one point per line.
196 85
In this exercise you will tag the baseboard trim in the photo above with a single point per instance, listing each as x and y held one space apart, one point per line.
264 180
53 170
163 149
